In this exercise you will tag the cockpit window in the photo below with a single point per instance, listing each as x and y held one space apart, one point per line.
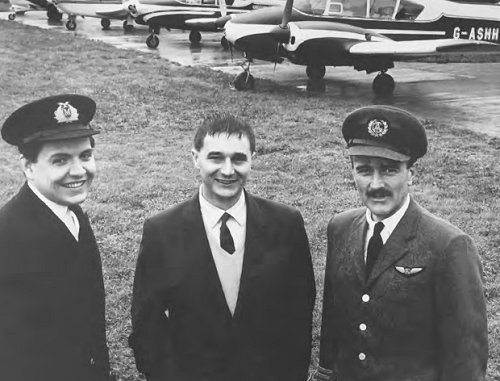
381 9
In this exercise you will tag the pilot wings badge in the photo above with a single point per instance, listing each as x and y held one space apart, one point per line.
65 113
409 271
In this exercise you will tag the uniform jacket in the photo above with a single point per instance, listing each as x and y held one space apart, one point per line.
423 306
182 327
52 324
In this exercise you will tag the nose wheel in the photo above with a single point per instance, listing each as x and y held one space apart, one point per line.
383 84
12 16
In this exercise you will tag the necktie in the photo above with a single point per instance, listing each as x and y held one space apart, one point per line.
72 223
374 246
226 240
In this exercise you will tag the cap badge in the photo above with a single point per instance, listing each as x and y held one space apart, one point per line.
377 128
65 113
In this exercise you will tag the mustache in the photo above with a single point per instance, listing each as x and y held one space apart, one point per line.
379 193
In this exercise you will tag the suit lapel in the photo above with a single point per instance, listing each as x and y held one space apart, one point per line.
196 241
256 228
398 244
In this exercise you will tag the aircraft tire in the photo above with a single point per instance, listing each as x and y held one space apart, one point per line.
194 37
152 41
315 72
127 26
243 81
70 25
105 23
383 85
12 16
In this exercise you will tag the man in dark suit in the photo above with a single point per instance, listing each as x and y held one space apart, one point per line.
52 325
224 286
403 295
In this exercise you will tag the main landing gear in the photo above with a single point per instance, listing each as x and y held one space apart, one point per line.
12 16
128 24
315 72
194 37
71 23
153 40
105 23
244 80
383 84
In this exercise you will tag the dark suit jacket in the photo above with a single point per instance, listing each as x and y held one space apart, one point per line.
52 325
269 336
429 326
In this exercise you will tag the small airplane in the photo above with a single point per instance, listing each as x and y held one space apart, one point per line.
103 9
369 35
193 15
20 7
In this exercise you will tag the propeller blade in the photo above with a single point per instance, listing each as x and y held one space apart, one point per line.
287 14
223 8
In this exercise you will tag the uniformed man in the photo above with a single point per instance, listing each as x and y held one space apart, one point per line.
52 325
403 295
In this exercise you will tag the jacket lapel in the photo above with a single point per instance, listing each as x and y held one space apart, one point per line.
46 219
256 228
356 248
398 244
195 238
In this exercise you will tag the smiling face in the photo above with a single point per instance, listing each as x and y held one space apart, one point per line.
383 184
63 171
224 162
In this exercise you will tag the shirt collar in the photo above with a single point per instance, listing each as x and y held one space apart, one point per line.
213 213
391 222
59 210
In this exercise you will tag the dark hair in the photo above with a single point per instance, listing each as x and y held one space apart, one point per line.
31 150
218 123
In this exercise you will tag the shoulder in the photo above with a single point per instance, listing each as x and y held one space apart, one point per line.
346 217
272 208
434 226
173 214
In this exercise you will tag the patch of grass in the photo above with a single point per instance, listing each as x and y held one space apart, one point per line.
148 110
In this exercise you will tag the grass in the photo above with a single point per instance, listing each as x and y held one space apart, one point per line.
148 110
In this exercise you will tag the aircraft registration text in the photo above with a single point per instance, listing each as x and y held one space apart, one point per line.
477 33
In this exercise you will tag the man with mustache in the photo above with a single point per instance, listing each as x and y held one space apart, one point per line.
403 294
52 323
224 286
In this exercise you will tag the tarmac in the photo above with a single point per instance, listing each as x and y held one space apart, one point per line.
464 94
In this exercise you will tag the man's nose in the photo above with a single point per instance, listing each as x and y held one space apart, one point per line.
77 168
377 181
227 168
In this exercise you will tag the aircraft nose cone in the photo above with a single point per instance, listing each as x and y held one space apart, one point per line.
221 21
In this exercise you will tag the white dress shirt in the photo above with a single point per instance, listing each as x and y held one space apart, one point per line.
390 223
61 211
228 266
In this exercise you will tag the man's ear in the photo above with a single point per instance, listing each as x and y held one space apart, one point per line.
411 173
26 167
195 154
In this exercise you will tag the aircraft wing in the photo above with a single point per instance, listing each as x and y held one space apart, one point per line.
115 14
421 47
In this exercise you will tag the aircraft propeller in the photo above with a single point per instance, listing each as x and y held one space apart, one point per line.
282 32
